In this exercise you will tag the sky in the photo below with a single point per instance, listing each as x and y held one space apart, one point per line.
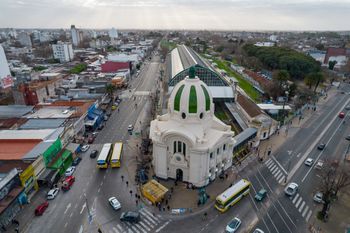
178 14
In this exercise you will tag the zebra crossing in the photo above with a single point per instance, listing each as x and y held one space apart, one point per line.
148 223
276 171
302 207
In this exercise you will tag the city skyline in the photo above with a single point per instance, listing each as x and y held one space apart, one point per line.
171 14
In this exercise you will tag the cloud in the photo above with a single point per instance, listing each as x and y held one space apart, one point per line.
178 14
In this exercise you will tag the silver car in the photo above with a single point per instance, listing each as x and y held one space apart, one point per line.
291 189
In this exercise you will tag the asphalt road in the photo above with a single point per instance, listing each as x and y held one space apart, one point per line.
68 212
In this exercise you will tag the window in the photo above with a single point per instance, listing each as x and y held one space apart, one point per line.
224 147
174 147
211 155
179 147
184 149
218 151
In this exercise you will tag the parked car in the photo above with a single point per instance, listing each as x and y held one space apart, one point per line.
93 154
130 216
341 115
321 146
70 171
233 225
318 197
130 127
319 164
309 162
261 195
291 189
68 182
41 208
91 139
52 193
85 148
114 203
76 161
257 230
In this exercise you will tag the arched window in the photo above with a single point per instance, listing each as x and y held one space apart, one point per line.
179 147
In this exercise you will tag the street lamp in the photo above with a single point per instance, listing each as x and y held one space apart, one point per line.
284 104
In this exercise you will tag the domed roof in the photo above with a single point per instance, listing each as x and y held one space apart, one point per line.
191 98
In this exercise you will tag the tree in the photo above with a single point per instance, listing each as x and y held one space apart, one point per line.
280 76
331 64
314 79
110 89
334 178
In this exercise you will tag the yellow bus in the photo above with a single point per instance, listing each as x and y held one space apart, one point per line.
103 158
232 195
116 154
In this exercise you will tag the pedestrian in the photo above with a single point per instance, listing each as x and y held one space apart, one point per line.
130 192
168 207
164 209
122 178
127 183
166 202
136 195
137 202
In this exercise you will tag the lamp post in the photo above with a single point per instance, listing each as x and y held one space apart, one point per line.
284 104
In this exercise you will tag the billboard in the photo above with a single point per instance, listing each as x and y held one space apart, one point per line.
6 82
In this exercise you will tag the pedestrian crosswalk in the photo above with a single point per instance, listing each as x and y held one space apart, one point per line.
149 223
275 170
302 207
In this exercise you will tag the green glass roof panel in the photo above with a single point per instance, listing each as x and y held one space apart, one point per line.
178 98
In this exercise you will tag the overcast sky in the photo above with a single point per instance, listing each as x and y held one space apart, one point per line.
178 14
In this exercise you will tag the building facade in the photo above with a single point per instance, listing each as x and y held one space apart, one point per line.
5 75
63 51
189 143
76 37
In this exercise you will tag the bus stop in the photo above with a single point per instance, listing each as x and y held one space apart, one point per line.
154 191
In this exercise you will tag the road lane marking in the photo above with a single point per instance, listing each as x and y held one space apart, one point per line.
273 157
308 215
134 228
273 168
276 172
71 214
145 226
81 229
267 162
82 208
66 224
305 210
76 205
148 218
295 198
115 230
98 190
104 177
282 179
298 155
120 228
301 206
298 202
151 215
140 227
279 176
101 183
67 208
161 227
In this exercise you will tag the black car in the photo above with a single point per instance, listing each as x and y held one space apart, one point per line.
130 216
93 154
321 146
76 161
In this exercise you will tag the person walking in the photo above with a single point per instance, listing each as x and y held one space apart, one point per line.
122 178
127 183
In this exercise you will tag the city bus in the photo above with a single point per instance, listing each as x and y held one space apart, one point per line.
232 195
116 154
103 158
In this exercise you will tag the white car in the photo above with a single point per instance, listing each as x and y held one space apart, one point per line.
309 162
257 230
114 203
233 225
85 148
291 189
130 128
319 164
52 193
70 171
318 197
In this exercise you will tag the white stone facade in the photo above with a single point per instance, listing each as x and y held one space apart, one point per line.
189 143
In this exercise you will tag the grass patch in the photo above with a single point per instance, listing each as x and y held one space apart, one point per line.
78 68
167 44
220 113
242 83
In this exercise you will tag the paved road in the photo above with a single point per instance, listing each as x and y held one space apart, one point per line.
69 211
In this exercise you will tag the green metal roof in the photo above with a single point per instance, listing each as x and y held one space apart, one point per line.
207 98
192 106
177 99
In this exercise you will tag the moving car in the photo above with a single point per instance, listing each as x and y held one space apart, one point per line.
318 197
347 107
341 115
52 193
85 148
76 161
67 183
70 171
309 162
130 216
291 189
319 164
233 225
261 195
347 137
93 154
321 146
41 208
130 128
114 203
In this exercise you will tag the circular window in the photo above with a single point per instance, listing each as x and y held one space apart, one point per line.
201 115
178 158
183 115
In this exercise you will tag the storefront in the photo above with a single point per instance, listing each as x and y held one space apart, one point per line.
29 181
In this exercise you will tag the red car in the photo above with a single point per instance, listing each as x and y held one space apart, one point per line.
91 139
41 208
341 115
68 182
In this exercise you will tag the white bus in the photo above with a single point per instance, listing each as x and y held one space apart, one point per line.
103 158
232 195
